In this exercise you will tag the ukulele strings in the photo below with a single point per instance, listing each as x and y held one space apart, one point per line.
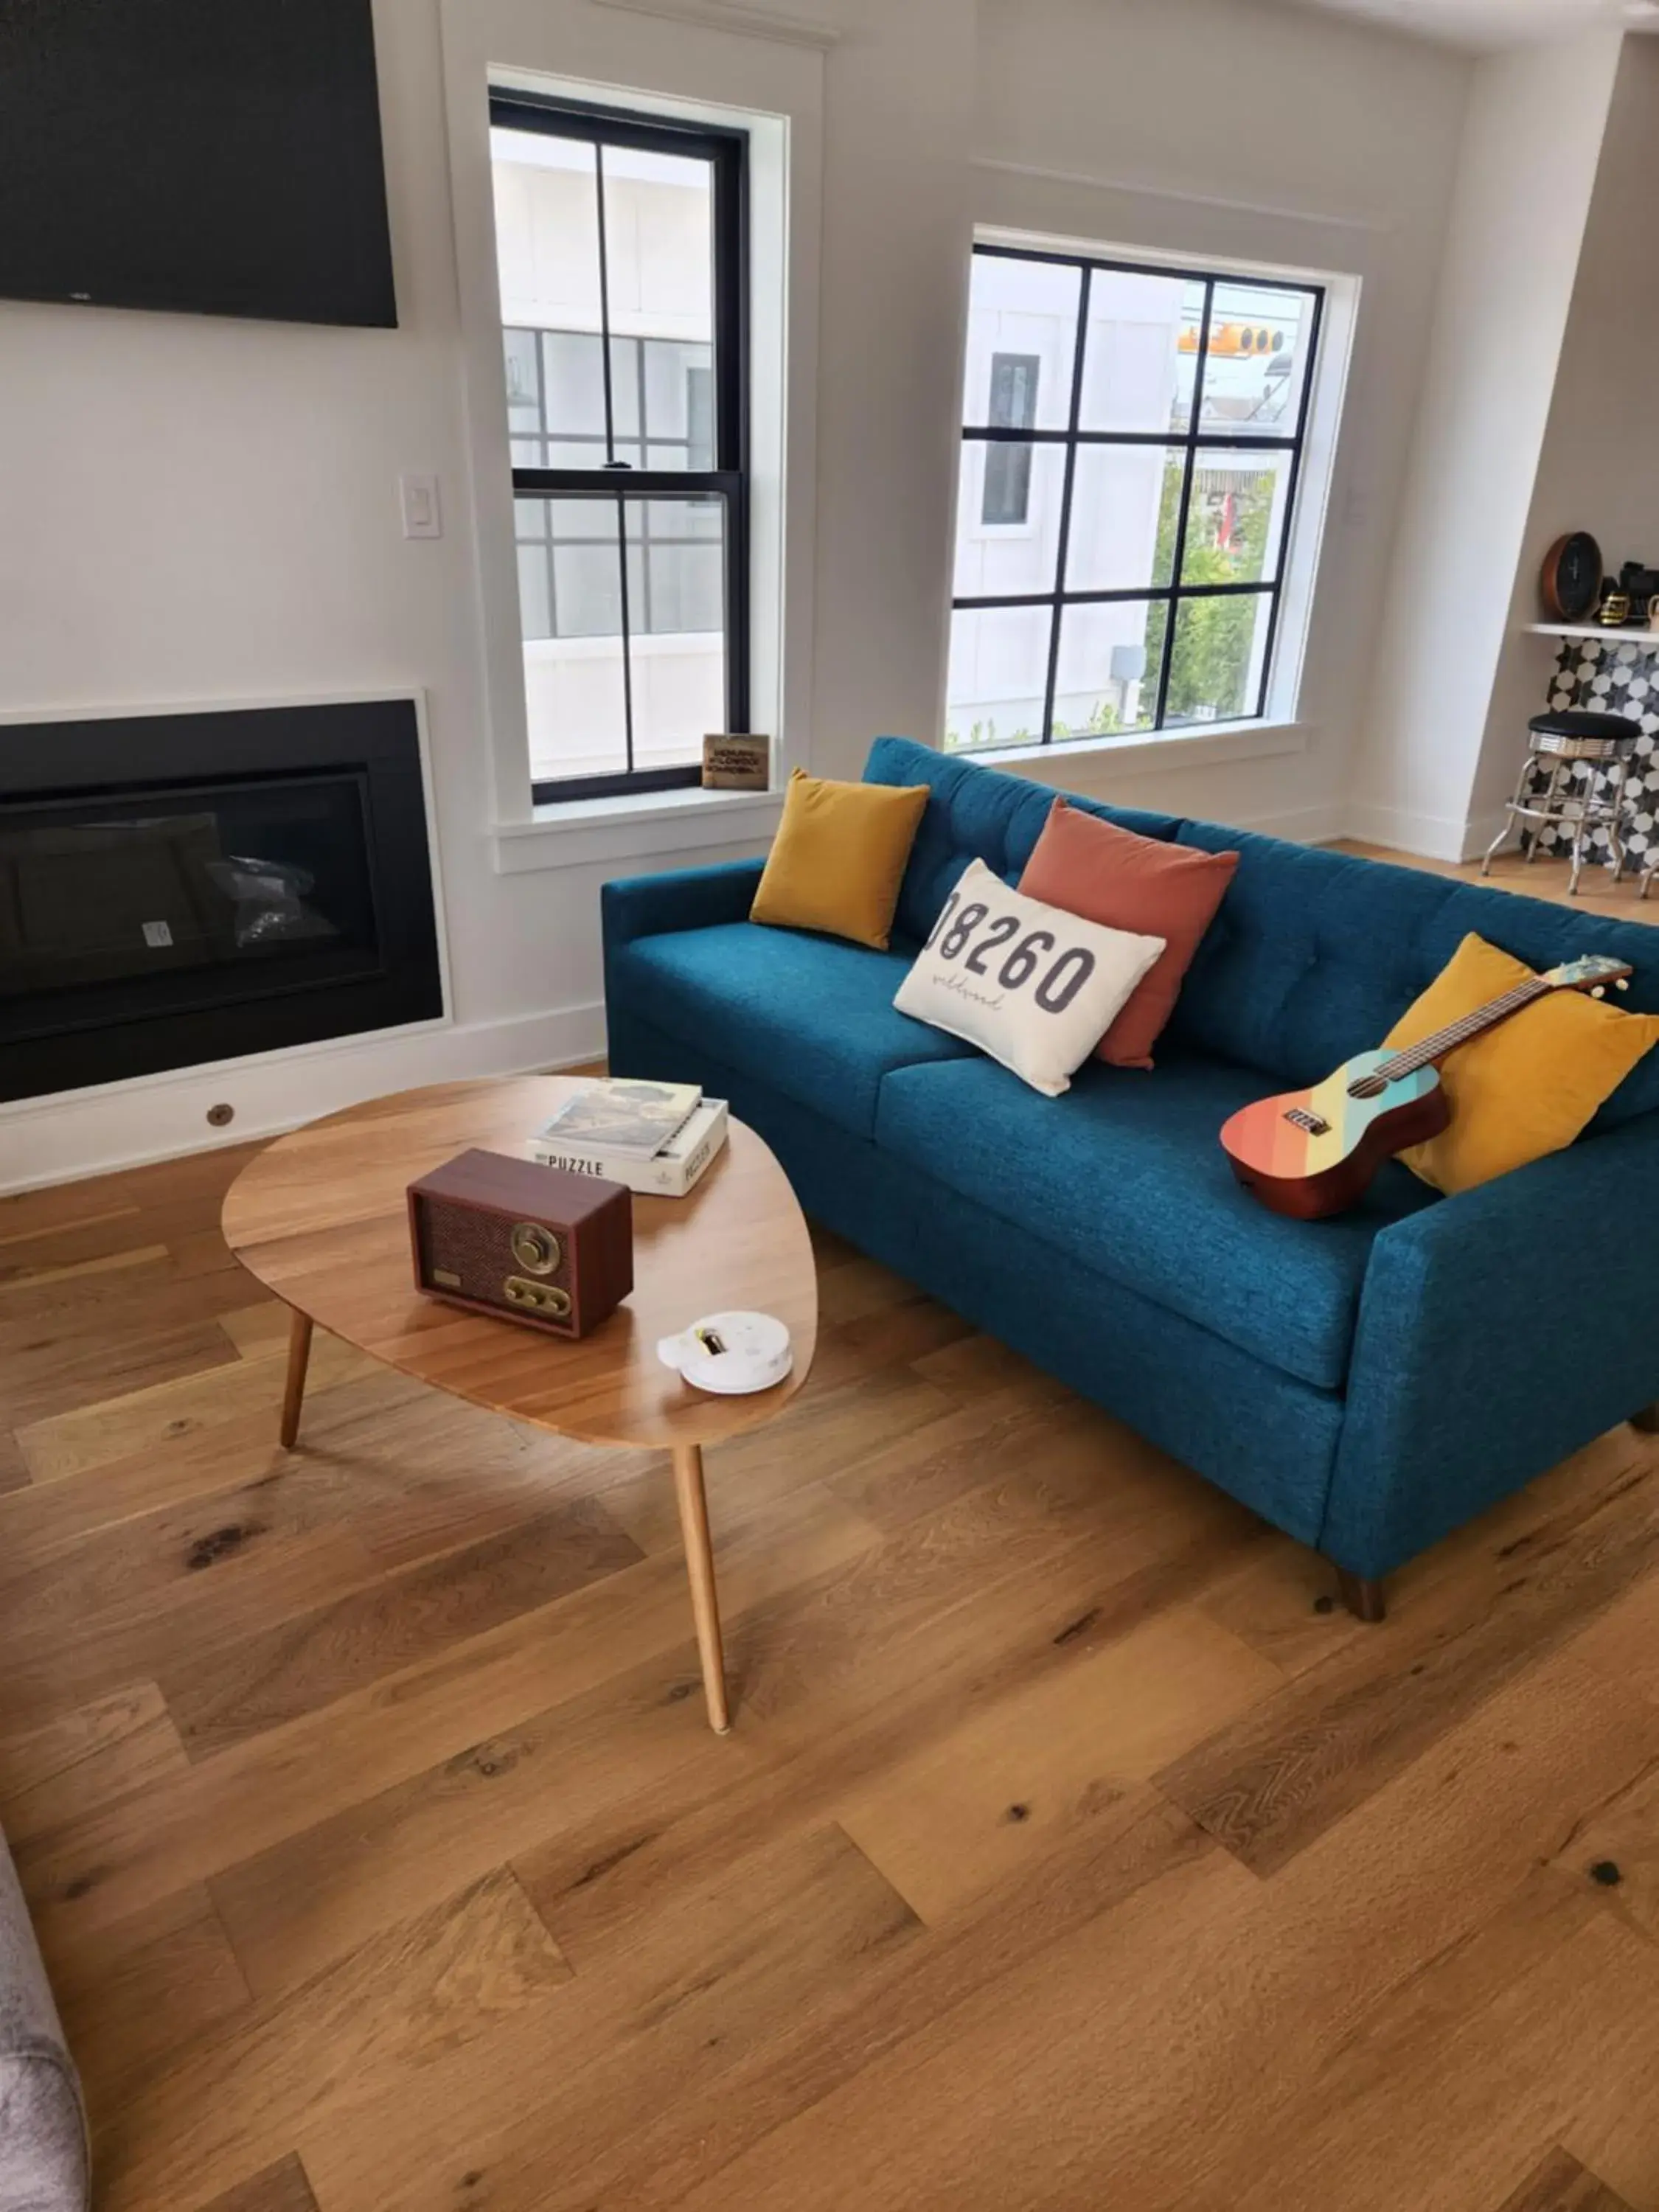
1456 1033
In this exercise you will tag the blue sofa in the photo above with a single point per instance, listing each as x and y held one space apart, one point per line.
1366 1384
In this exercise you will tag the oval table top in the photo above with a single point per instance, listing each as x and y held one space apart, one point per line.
322 1219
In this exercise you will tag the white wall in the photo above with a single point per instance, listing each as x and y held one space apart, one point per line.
1598 469
1254 134
206 510
1524 182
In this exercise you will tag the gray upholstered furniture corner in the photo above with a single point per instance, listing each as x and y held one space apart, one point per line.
44 2162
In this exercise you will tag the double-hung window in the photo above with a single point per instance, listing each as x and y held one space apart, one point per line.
1132 439
620 249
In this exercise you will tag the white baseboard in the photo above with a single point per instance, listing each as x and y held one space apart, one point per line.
1402 829
157 1117
1304 825
1424 836
1478 833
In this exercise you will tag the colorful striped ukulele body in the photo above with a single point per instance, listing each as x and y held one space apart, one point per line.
1310 1153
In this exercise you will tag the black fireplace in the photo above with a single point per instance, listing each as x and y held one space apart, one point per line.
183 888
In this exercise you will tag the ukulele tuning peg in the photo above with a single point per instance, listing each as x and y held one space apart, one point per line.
1623 984
1599 990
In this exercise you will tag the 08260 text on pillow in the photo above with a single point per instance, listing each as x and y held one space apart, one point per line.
1031 985
1110 875
838 859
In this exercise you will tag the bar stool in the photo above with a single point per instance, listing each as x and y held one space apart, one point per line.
1576 767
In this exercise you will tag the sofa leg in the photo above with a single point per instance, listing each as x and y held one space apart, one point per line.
1363 1597
1646 1418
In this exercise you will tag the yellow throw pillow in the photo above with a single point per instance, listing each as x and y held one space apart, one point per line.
838 858
1525 1088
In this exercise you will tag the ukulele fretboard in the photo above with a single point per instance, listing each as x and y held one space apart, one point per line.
1459 1032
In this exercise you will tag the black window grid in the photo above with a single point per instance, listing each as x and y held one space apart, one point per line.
1189 443
616 481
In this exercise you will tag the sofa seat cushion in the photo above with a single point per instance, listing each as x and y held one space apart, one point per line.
809 1015
1125 1174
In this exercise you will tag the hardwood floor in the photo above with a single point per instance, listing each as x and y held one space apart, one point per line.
1070 1850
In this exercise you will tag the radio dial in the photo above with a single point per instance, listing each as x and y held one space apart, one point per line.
537 1249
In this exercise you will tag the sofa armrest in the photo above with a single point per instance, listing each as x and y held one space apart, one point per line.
44 2161
1499 1332
687 898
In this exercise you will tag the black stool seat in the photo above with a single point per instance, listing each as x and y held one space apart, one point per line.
1574 722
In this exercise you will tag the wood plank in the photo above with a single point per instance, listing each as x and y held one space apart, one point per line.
375 2021
57 1366
813 1442
1561 2184
346 1438
803 1918
1161 2009
1472 2066
311 1660
144 1989
162 1413
13 1467
1613 1852
20 1275
64 1233
1293 1766
135 1849
951 1590
279 2188
308 1899
66 1768
249 1581
986 1798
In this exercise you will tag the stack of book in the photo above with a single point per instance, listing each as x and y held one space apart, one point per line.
656 1138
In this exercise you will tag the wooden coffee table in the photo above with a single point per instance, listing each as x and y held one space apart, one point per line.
321 1219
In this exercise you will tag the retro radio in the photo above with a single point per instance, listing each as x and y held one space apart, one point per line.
526 1242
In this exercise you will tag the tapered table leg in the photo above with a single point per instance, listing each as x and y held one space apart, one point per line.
298 1354
700 1566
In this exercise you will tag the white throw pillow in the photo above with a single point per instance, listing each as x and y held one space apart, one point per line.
1035 986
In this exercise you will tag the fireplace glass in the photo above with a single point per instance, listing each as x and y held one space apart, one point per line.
182 898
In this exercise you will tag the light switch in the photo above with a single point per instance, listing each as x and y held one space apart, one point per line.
418 498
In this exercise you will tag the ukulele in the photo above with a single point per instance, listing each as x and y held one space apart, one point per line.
1309 1153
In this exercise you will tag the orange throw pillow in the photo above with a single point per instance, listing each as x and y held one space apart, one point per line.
1124 881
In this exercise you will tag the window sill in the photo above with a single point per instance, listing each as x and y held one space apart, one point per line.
1135 752
580 831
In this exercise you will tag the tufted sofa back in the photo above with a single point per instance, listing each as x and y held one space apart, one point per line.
1313 956
974 813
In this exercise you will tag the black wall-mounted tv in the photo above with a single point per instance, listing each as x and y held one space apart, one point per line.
220 157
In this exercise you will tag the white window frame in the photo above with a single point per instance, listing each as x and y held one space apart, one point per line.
570 50
1281 725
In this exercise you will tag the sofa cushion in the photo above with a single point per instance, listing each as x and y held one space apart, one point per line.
1526 1087
808 1014
1153 884
1125 1174
1314 956
973 814
838 859
1033 985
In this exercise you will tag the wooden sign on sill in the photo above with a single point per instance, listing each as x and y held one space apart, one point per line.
734 762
